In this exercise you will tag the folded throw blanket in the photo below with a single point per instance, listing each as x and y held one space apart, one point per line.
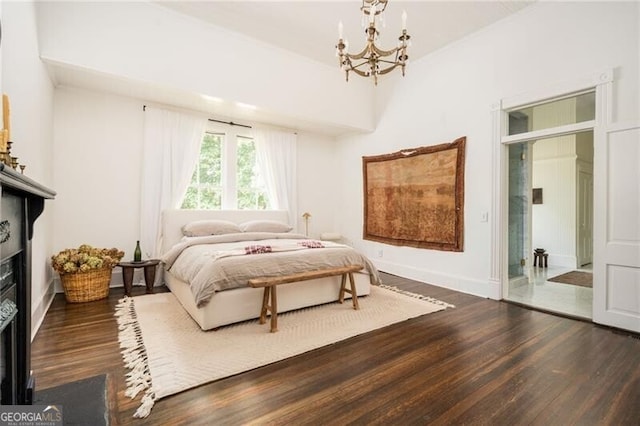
257 249
311 244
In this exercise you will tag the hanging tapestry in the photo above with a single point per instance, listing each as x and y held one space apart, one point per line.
415 197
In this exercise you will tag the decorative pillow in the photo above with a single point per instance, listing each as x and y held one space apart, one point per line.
201 228
265 226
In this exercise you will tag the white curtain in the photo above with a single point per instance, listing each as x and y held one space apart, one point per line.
276 158
171 148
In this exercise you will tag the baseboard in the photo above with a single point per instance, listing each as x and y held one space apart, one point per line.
562 260
495 289
467 285
37 315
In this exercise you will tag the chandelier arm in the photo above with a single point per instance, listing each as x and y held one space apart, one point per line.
353 67
381 52
388 70
396 62
358 55
361 73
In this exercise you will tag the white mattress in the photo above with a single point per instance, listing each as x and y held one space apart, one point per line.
241 304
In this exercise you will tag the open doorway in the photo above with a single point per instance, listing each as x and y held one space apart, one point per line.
550 211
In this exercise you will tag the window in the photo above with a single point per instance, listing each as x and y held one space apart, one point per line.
227 175
558 112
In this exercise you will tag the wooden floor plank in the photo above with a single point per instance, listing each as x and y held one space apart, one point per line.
482 362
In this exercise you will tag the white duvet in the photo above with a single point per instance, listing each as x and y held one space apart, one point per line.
219 262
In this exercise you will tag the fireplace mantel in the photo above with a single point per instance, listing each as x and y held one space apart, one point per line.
21 202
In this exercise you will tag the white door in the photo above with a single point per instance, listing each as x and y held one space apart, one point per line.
616 266
585 217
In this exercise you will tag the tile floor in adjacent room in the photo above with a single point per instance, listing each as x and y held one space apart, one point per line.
555 297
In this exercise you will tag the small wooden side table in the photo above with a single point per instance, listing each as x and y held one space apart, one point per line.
538 257
149 274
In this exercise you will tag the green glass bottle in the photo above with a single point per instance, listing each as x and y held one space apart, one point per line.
137 254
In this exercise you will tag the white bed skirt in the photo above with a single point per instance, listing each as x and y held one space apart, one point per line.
241 304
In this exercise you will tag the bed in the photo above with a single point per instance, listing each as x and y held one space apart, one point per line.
226 304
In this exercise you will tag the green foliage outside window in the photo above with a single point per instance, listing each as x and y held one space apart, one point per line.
251 193
205 190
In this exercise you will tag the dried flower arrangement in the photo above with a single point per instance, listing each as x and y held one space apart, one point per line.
85 258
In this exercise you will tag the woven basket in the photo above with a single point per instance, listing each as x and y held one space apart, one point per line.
86 286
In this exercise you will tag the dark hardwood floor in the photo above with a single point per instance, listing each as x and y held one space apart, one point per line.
484 362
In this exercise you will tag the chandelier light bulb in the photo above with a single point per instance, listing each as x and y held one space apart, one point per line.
340 29
404 20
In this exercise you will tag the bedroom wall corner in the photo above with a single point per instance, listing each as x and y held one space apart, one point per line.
318 184
31 91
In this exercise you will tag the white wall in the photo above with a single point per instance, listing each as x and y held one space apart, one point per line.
554 221
318 183
26 81
98 150
147 43
451 93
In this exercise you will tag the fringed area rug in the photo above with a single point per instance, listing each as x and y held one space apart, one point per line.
166 352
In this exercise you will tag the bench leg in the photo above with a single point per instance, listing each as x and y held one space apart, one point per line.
342 288
354 295
352 291
274 310
265 305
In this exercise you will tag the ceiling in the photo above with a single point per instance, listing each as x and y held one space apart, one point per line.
310 28
307 28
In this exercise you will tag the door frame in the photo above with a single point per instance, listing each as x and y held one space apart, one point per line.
583 169
602 84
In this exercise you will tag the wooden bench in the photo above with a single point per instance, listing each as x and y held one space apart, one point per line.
270 299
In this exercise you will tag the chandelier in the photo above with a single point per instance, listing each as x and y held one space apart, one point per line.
373 61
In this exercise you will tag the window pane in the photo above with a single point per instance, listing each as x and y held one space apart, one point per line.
553 114
190 199
204 192
211 199
211 159
246 163
246 199
250 186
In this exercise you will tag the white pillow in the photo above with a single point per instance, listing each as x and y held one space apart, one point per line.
201 228
265 226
